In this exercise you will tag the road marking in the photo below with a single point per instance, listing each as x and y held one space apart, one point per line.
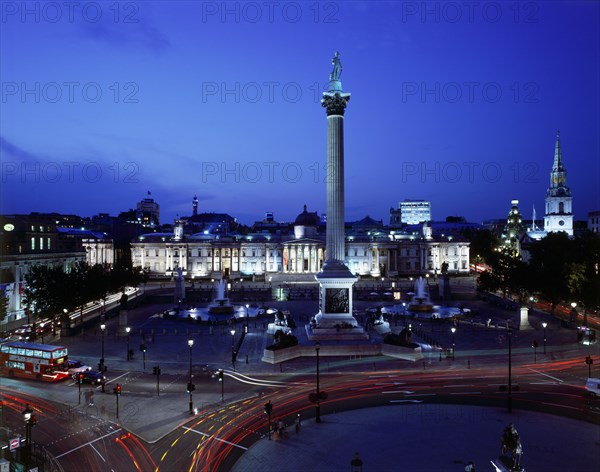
543 383
454 386
87 443
423 394
465 393
541 373
116 378
406 401
97 452
408 392
215 438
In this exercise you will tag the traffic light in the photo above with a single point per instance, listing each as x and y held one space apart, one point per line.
156 370
143 347
268 407
1 404
190 387
220 376
33 421
589 360
80 377
117 390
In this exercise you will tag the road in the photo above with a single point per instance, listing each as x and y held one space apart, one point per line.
216 438
90 437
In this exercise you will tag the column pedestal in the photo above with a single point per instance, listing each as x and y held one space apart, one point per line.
335 320
524 318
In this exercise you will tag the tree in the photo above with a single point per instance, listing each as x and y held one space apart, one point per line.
552 265
46 291
3 305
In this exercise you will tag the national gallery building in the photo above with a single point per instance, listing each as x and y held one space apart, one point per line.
370 251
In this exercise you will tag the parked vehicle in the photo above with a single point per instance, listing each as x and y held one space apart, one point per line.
592 387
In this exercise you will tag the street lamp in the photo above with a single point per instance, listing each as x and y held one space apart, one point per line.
102 328
530 302
127 330
190 385
544 324
27 417
453 329
509 398
232 348
318 402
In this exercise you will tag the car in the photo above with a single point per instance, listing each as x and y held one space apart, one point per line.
74 367
592 387
23 333
89 376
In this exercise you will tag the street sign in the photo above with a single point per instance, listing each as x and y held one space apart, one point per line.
14 443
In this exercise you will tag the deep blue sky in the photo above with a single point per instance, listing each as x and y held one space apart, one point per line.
133 102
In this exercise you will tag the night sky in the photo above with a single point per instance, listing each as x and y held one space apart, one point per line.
104 101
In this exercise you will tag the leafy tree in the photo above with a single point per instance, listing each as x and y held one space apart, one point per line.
552 266
46 291
3 305
483 244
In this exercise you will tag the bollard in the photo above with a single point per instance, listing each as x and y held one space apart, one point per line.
246 358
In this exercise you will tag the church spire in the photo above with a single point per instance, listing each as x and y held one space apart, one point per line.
559 202
558 164
558 175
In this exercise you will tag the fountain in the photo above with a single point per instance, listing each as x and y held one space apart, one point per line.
221 305
420 300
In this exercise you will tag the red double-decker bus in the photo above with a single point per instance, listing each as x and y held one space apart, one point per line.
33 361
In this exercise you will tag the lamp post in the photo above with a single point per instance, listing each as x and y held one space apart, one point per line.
318 402
190 385
573 314
453 329
247 319
530 302
509 398
27 417
103 329
232 348
127 330
544 324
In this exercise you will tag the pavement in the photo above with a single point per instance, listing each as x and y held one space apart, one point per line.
428 438
404 437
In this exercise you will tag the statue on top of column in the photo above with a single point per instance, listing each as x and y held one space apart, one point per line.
337 67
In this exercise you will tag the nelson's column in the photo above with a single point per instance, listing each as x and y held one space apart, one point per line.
335 279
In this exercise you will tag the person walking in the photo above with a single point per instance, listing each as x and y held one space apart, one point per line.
298 423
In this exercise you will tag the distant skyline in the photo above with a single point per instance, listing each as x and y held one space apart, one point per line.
454 103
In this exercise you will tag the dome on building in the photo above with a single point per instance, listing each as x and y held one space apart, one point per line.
307 218
306 224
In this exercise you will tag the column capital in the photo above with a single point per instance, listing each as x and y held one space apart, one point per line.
335 103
